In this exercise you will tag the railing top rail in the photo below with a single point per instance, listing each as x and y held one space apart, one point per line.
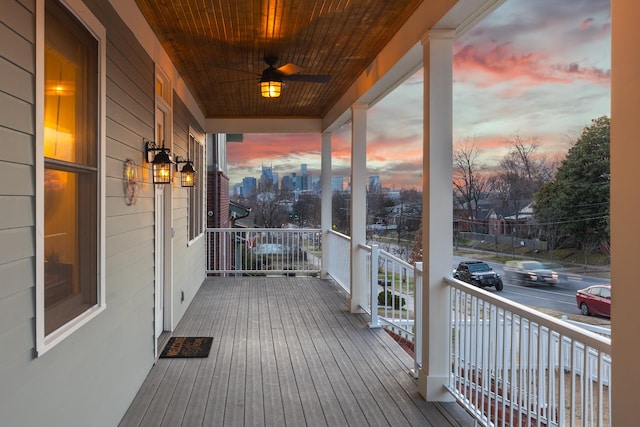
386 254
339 235
263 229
395 259
365 247
590 339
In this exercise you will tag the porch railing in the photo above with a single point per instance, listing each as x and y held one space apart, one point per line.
263 251
338 262
512 365
395 298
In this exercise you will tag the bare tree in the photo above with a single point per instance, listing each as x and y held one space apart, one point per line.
521 173
407 197
308 209
470 183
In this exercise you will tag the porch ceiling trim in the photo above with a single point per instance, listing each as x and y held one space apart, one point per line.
264 125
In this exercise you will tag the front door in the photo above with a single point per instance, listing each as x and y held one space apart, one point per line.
159 261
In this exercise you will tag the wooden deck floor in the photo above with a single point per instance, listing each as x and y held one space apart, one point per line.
286 352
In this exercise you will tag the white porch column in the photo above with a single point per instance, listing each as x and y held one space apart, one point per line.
358 215
625 227
326 201
437 212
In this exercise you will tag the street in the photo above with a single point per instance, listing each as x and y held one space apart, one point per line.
560 297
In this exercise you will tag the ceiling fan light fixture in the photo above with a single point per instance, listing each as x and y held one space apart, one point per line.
271 88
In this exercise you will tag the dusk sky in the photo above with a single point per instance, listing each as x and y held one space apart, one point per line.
539 69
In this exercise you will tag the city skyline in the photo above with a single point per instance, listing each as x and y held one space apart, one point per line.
293 181
539 70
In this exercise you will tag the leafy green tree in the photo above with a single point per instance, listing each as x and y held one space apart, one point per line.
577 202
547 214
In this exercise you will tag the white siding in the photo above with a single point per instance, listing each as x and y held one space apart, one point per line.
91 376
189 260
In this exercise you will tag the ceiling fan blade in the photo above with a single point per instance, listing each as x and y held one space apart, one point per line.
288 69
313 78
248 79
237 70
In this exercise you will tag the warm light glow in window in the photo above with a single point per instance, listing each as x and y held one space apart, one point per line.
70 168
60 108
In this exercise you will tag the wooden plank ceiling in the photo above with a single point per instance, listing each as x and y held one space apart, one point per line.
219 46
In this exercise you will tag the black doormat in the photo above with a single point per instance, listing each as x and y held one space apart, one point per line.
187 347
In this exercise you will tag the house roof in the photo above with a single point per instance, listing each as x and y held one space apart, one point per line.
238 210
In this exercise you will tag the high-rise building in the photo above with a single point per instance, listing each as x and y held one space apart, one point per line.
374 184
306 182
337 183
267 182
249 186
236 190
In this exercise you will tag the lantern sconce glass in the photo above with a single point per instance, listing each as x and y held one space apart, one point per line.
271 87
160 162
187 173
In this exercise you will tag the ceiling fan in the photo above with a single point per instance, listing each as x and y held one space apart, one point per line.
272 79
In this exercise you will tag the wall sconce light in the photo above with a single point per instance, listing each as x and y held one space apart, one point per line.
187 174
160 162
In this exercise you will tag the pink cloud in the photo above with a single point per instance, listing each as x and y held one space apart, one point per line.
271 148
499 62
395 149
592 74
586 24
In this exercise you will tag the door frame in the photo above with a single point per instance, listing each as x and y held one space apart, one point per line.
164 237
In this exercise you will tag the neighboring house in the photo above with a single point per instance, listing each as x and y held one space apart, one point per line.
523 224
493 218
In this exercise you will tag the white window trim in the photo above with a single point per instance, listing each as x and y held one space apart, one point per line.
165 104
167 89
201 176
95 27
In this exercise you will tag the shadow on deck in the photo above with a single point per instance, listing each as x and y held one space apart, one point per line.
286 351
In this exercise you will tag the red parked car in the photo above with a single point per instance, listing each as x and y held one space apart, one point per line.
595 300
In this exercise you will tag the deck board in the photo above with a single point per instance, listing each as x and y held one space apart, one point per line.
286 351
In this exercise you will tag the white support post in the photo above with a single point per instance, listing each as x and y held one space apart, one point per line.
375 254
625 227
437 213
358 217
326 202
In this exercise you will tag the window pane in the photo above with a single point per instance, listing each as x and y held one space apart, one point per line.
70 229
196 194
70 89
71 175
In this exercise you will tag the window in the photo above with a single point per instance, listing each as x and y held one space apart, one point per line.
196 193
71 166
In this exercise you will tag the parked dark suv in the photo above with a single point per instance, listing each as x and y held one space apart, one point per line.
478 273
